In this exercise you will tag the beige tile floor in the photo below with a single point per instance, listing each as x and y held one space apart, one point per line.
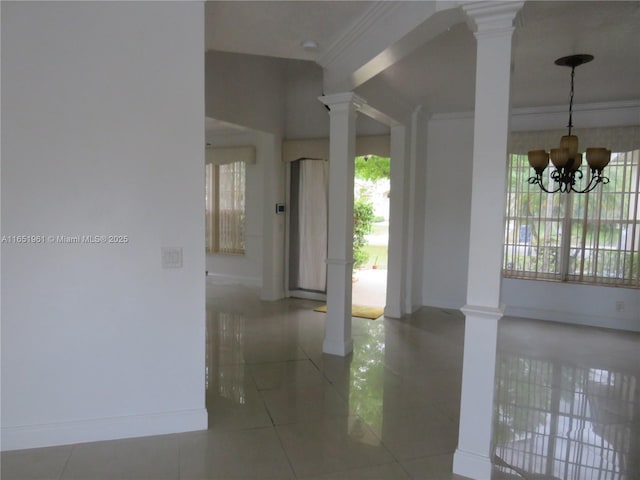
567 403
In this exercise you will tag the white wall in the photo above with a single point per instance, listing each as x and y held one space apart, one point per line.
305 115
417 181
102 133
573 303
447 210
247 90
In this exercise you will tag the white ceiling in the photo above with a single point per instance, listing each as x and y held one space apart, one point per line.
219 127
277 28
440 75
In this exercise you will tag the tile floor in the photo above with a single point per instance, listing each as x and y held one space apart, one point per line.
567 403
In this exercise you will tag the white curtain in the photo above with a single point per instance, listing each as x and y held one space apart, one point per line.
312 224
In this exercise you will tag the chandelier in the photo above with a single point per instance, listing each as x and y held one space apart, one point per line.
566 159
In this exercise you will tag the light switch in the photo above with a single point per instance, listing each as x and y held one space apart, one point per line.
171 257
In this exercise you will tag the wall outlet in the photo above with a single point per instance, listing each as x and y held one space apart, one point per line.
619 306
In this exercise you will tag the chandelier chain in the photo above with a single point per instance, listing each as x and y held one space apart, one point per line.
573 73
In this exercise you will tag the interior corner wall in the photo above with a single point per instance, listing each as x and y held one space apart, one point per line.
305 116
447 210
247 90
102 135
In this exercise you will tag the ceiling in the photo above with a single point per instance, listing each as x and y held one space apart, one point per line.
277 28
440 75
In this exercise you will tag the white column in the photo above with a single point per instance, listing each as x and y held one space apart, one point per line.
342 141
415 208
398 219
493 25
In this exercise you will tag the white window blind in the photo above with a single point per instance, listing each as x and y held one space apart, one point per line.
225 207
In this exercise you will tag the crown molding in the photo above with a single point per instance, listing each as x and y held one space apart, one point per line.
584 107
522 112
374 14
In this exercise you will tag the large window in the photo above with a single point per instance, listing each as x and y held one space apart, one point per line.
587 238
225 208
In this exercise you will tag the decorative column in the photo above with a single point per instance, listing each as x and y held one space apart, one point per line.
398 220
342 142
492 23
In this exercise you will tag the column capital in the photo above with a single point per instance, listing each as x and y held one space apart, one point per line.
491 17
421 113
345 99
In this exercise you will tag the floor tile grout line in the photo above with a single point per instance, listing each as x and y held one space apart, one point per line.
286 454
66 463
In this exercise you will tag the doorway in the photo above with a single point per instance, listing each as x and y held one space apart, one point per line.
307 238
371 239
308 226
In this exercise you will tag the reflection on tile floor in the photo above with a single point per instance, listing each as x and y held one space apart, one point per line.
570 412
567 403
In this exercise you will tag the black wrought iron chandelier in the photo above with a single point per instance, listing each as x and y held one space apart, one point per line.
566 159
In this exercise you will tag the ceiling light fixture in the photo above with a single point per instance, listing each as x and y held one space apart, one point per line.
566 159
309 45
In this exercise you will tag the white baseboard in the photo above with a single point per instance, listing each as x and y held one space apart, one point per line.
471 465
574 318
222 279
304 294
47 435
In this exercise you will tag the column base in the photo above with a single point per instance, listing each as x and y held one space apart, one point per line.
392 311
341 349
479 312
472 465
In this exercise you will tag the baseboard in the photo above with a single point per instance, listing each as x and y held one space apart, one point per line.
222 279
574 318
306 295
472 465
47 435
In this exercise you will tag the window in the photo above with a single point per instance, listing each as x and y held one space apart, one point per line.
225 207
589 238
